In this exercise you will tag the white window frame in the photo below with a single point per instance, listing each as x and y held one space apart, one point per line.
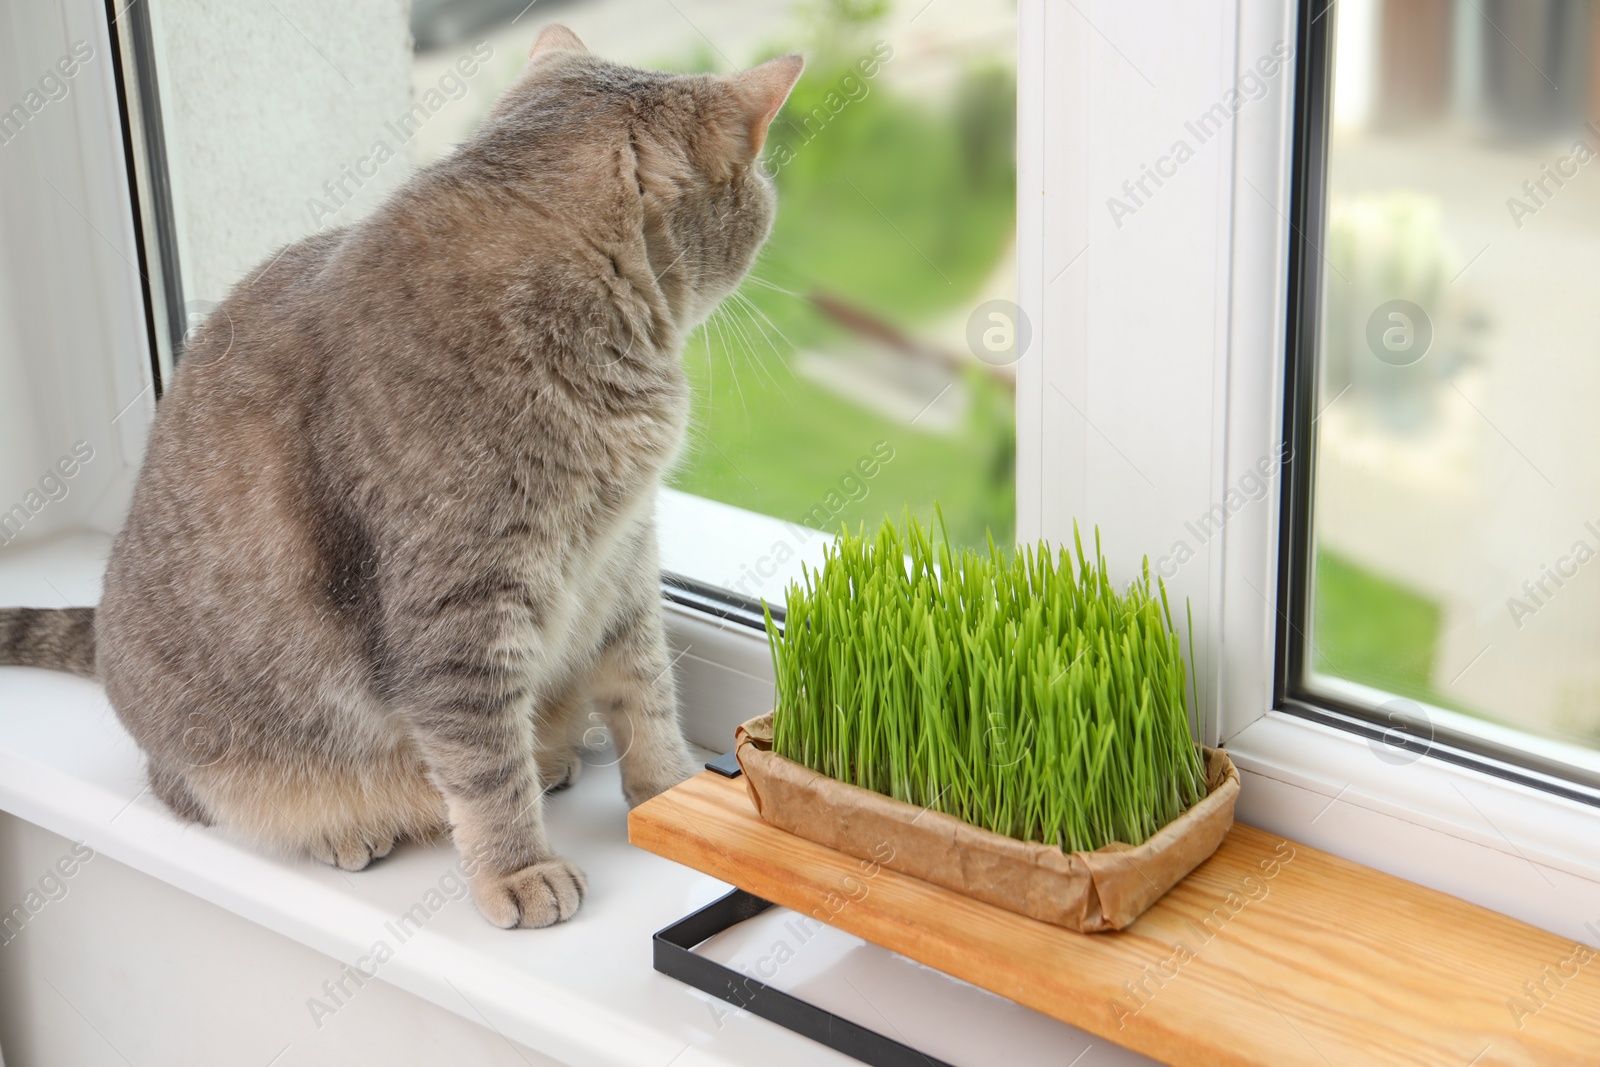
1154 380
1219 409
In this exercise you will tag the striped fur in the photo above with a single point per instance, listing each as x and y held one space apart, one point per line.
58 639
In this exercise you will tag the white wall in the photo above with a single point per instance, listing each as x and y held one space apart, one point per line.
98 978
237 81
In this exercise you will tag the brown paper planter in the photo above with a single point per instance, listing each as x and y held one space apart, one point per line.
1086 891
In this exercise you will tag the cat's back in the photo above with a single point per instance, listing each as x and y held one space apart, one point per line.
226 462
251 353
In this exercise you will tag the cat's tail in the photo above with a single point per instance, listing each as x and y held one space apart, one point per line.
58 639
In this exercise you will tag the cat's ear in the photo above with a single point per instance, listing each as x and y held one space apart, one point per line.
761 91
554 38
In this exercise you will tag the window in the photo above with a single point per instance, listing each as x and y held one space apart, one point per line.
1444 513
1151 390
866 366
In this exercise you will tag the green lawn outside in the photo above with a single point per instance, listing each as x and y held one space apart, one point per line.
1374 631
1371 630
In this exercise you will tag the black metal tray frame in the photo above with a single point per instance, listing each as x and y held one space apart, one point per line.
674 955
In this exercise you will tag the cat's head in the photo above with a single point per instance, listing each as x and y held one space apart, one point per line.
678 151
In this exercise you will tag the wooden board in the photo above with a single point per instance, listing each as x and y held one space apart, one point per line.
1270 953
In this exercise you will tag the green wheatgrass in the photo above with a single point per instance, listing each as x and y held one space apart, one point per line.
1022 694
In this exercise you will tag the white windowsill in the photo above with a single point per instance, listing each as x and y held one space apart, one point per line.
583 992
753 555
1506 847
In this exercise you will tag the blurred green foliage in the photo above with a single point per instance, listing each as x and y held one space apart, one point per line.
902 207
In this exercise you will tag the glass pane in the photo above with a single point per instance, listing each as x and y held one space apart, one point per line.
839 385
1457 492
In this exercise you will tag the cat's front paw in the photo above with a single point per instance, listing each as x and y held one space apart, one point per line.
539 895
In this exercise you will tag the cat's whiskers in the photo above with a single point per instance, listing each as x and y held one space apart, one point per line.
750 311
774 287
753 306
711 372
743 303
716 324
749 350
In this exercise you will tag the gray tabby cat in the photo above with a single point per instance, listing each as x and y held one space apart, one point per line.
393 538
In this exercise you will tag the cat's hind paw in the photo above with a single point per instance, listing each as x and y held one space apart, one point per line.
639 785
559 770
352 852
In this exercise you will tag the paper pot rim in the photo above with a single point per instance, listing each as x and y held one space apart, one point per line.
1106 889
